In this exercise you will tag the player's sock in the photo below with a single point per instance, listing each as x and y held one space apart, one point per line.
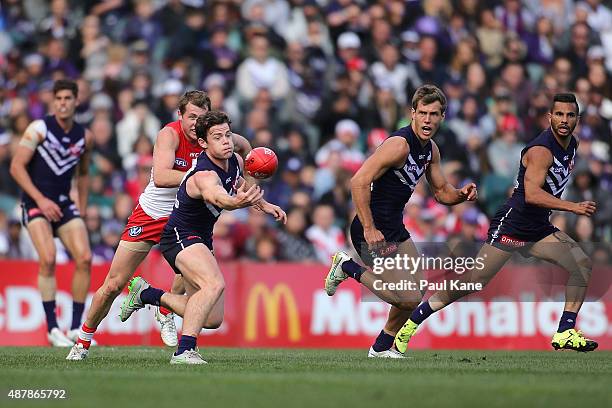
568 321
185 343
151 296
164 311
353 269
85 336
77 313
49 307
383 342
421 313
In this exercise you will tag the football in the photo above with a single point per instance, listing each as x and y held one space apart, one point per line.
261 163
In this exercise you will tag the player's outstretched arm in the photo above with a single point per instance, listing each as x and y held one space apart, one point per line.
392 153
164 152
241 145
537 161
443 191
207 185
24 153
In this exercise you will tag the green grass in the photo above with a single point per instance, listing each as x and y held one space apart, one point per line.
142 377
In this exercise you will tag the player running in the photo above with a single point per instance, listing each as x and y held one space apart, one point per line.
176 151
214 185
380 189
50 151
522 224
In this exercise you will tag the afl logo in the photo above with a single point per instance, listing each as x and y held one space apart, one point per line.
180 162
135 231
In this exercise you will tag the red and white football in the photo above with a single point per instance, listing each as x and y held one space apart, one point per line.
261 163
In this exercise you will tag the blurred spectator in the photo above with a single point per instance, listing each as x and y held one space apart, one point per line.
293 245
320 82
326 238
346 136
261 71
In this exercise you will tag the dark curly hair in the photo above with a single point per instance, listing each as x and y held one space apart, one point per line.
208 120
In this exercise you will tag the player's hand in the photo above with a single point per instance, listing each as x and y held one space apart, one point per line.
276 212
374 238
246 198
469 192
50 210
584 208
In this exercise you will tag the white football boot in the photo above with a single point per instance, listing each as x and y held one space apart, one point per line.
336 275
167 328
391 353
77 352
190 357
57 338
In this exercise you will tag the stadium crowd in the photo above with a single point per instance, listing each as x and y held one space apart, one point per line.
323 83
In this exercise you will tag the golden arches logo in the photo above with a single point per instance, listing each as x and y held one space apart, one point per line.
271 300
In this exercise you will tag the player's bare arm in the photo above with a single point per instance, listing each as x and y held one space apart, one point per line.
23 155
207 185
82 179
241 145
163 159
537 161
443 191
392 153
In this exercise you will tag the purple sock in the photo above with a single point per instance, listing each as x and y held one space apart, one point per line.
151 296
421 313
186 343
567 321
77 313
383 342
49 307
353 269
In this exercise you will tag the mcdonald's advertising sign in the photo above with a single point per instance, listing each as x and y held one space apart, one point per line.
285 305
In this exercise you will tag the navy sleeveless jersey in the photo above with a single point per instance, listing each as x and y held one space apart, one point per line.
197 215
393 189
55 159
557 177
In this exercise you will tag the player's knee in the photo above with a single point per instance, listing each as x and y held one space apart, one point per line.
113 287
214 323
46 264
582 275
83 261
407 306
217 286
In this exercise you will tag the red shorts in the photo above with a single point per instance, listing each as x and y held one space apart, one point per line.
141 227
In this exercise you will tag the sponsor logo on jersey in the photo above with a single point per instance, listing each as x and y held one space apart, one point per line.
135 231
74 150
32 212
180 162
193 237
510 241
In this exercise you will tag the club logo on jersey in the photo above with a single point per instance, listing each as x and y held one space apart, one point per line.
135 231
513 242
74 150
194 154
180 162
32 212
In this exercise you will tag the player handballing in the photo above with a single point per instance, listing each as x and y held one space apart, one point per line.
214 185
522 224
380 189
50 151
175 152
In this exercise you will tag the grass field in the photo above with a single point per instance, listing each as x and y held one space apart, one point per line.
142 377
